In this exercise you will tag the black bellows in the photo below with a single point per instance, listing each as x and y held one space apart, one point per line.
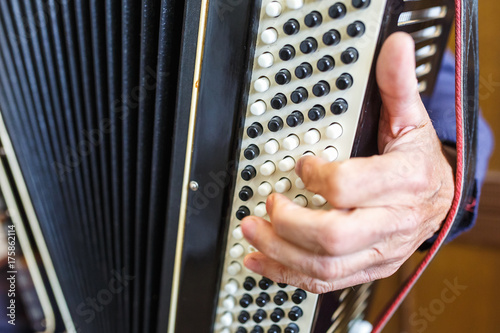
88 94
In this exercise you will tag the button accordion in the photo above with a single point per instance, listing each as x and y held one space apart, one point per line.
136 135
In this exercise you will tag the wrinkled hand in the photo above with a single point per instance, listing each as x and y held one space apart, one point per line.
385 206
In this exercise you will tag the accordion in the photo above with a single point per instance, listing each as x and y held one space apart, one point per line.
137 134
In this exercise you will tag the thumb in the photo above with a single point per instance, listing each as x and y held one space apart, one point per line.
402 108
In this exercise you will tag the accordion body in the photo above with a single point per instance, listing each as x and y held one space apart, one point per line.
137 135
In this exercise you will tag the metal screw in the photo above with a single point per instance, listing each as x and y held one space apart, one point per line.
194 186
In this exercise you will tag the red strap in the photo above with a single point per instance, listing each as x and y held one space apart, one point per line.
394 305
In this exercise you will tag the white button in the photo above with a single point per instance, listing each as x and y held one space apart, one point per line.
234 268
262 84
291 142
266 60
294 4
226 319
299 184
312 137
237 233
229 302
236 251
225 330
260 210
284 185
334 131
231 287
265 189
309 153
269 36
286 164
271 147
267 168
318 200
330 154
258 108
273 9
360 326
300 200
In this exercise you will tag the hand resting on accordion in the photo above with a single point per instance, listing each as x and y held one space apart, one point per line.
386 206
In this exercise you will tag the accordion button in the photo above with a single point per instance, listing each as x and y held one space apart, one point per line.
295 119
309 45
259 316
234 268
267 169
295 4
271 147
300 200
269 36
299 184
255 130
286 164
295 313
313 19
278 102
273 9
248 173
356 29
337 10
339 107
265 189
349 56
284 185
262 84
274 329
231 287
265 283
312 136
316 113
292 328
243 317
236 251
344 82
241 330
291 142
246 193
275 124
262 300
226 319
303 71
283 77
225 330
238 233
287 53
326 64
360 326
260 210
280 298
257 329
242 213
330 154
299 296
291 27
258 108
334 131
246 300
251 152
249 283
318 200
320 89
360 3
299 95
331 37
277 315
229 302
265 60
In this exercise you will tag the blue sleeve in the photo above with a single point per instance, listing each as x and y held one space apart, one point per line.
441 108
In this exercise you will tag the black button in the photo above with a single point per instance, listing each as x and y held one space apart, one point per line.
263 299
303 71
278 101
292 328
326 64
349 56
242 213
295 313
251 152
265 283
287 53
299 296
339 107
249 283
308 45
282 285
316 113
283 77
275 125
337 11
313 19
291 27
345 81
295 119
320 89
356 29
243 317
360 3
257 329
255 130
274 329
248 173
246 193
241 330
259 316
331 37
277 315
280 298
299 95
246 300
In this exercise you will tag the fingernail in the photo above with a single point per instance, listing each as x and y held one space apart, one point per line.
252 264
270 202
298 167
249 228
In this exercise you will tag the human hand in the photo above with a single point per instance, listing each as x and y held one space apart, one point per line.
385 206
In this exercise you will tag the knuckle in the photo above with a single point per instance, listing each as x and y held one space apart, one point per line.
317 287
